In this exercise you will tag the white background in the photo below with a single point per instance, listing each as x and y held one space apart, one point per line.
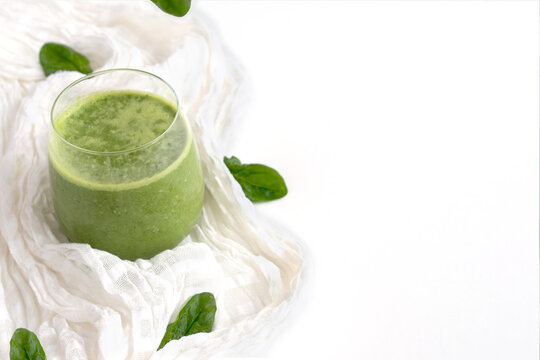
408 135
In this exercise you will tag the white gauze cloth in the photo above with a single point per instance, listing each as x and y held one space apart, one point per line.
88 304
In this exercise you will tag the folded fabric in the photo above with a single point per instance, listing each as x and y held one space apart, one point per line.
88 304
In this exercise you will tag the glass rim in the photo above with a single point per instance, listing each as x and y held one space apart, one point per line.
119 152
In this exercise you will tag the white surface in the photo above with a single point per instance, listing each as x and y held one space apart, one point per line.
408 136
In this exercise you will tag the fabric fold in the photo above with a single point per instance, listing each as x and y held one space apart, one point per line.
88 304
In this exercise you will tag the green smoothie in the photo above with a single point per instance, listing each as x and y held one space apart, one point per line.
125 175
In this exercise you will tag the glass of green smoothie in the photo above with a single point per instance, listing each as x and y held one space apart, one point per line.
123 165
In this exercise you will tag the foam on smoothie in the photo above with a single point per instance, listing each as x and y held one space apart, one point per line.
119 121
115 120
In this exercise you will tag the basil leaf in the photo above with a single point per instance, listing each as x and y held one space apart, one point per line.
174 7
259 182
24 345
196 316
54 57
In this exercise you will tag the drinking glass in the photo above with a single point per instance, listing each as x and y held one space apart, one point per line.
134 202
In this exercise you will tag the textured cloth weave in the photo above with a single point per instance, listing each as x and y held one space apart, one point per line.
88 304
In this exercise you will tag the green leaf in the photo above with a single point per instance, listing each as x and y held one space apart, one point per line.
196 316
259 182
174 7
54 57
24 345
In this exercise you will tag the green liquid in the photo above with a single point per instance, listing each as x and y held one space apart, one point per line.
116 121
133 204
